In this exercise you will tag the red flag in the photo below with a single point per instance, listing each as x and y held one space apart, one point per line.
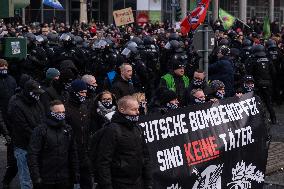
195 18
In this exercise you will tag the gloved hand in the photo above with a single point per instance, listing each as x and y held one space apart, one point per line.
37 184
76 186
8 139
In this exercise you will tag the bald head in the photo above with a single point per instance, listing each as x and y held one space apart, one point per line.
128 105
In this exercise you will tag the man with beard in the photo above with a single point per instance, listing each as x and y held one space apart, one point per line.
123 159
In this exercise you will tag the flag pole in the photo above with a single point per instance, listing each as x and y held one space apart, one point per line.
244 23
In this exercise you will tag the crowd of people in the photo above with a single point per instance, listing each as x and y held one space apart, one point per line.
69 111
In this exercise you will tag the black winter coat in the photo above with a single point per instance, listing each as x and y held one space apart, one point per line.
122 88
52 153
7 90
78 117
223 70
51 94
25 115
122 155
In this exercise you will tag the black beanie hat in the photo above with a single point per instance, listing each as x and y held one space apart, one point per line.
177 64
167 96
33 86
78 85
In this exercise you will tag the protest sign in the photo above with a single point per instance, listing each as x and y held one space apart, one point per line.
123 16
209 146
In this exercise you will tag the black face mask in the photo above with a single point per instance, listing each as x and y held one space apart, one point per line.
3 72
58 117
91 89
132 118
172 106
107 104
33 96
197 82
199 101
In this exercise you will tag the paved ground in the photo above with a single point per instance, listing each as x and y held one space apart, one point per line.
275 167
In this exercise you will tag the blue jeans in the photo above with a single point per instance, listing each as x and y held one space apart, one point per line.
23 169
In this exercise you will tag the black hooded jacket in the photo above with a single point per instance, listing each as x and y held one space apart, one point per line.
78 117
25 115
123 155
52 153
7 90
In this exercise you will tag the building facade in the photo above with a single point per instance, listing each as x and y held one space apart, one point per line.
256 8
101 10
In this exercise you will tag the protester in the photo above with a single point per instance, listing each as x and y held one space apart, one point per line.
27 113
197 96
123 85
7 90
198 82
248 86
52 154
176 81
51 74
157 65
141 98
103 110
123 142
78 117
223 70
217 90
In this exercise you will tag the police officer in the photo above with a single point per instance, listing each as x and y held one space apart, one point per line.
274 56
262 69
246 50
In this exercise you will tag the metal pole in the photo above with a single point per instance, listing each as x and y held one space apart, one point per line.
243 10
173 16
41 12
271 10
215 10
23 16
183 6
67 12
205 53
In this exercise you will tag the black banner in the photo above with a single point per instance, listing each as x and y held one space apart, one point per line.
209 146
